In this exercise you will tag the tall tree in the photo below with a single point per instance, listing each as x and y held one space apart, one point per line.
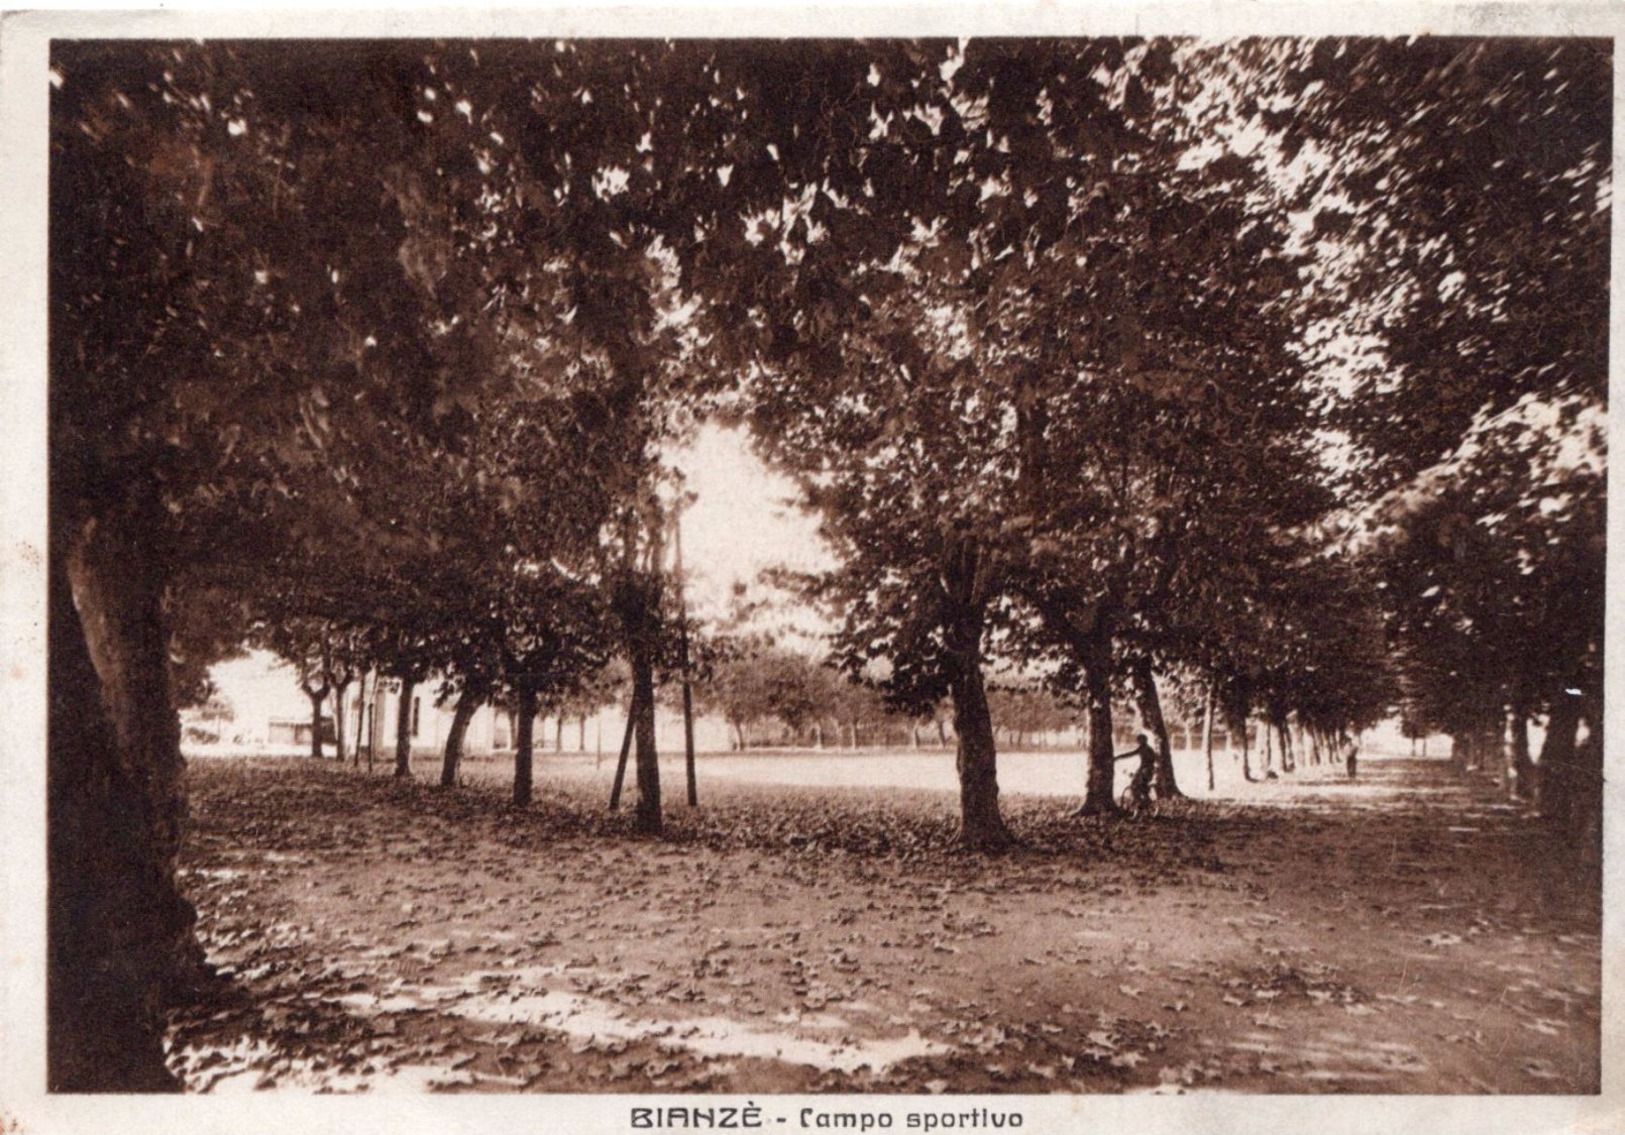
250 297
955 170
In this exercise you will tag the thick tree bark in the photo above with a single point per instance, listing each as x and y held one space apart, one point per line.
1246 755
1571 773
976 757
1145 688
980 824
403 729
647 817
467 702
317 696
1559 768
121 945
524 747
1099 798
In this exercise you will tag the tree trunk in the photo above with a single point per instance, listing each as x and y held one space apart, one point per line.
1585 802
1520 769
626 753
317 697
1207 735
648 818
1099 790
1246 755
690 773
524 747
1269 750
339 736
467 703
1461 752
1559 768
980 824
360 717
1145 686
1585 817
581 733
375 727
403 729
120 936
818 735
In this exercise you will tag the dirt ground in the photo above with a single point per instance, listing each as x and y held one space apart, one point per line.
1407 933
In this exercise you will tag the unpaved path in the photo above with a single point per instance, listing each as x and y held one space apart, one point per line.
1406 934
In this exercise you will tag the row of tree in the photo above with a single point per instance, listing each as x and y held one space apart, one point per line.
1262 361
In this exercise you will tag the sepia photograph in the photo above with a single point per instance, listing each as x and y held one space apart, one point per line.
697 578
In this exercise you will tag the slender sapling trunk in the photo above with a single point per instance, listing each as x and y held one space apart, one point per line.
626 753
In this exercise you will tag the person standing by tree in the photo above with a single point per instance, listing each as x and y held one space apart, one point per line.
1138 794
